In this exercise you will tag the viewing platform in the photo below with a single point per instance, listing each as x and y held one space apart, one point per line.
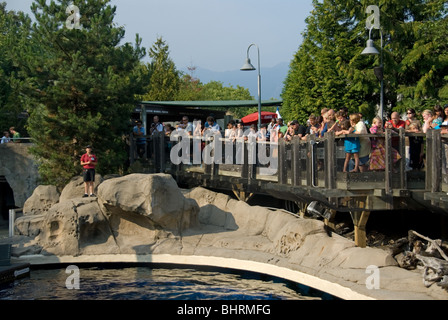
312 171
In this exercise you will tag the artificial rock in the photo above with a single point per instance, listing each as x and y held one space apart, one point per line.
144 214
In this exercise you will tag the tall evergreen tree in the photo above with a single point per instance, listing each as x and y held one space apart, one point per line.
14 32
422 70
83 86
165 78
329 71
189 88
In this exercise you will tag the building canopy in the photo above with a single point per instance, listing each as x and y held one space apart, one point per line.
213 104
175 110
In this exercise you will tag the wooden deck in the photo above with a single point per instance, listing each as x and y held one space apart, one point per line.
312 171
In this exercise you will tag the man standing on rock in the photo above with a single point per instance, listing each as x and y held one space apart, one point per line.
89 161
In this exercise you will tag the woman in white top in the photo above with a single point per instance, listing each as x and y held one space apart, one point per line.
229 129
364 152
239 130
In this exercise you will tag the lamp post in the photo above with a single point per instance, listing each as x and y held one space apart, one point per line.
249 67
379 71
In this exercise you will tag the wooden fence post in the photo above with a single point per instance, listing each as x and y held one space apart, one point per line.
388 173
295 162
429 156
131 149
436 165
310 161
360 219
162 156
402 152
282 160
330 160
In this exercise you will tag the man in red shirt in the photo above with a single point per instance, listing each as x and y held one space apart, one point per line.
89 161
395 124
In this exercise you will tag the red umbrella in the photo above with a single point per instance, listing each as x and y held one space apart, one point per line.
266 117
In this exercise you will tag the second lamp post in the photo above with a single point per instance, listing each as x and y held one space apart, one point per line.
379 71
249 67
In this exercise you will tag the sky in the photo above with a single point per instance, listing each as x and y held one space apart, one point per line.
212 34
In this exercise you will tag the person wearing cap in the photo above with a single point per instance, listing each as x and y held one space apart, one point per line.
89 161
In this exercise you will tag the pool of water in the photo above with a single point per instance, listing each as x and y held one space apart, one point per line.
148 283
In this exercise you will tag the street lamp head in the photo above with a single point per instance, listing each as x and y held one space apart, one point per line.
370 49
247 66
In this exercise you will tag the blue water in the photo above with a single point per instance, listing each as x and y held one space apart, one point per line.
145 283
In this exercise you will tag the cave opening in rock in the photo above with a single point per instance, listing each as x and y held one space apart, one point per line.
6 198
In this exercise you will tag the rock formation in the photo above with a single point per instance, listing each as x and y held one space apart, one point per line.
132 214
148 214
20 170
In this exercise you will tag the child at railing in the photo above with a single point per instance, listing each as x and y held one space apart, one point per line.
377 127
378 153
337 125
352 145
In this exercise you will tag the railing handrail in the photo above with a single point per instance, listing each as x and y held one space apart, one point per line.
12 140
341 136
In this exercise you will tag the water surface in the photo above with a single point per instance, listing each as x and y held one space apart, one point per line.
146 283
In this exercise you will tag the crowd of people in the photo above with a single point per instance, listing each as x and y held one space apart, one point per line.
362 153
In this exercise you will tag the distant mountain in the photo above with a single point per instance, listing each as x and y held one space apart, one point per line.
271 79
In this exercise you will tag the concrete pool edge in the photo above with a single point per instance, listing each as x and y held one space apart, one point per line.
331 288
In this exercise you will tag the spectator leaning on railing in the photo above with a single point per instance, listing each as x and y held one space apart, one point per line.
371 153
395 124
5 138
427 120
139 133
365 150
156 126
15 135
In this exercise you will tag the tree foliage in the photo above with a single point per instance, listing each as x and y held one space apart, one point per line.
81 86
164 77
14 31
192 89
167 83
328 69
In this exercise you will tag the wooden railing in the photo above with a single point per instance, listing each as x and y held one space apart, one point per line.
311 170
